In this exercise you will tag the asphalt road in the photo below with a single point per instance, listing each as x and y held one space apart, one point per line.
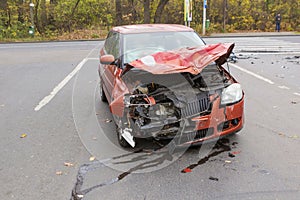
51 116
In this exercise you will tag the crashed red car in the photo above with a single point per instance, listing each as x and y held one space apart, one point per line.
163 82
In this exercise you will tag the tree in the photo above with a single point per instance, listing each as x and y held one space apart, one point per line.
3 14
44 19
147 16
225 8
72 15
20 11
118 13
159 10
133 11
54 17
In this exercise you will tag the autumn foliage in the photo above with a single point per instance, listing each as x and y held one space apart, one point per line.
77 19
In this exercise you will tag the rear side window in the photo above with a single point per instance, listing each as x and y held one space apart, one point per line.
112 44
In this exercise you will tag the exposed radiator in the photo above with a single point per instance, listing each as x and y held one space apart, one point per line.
195 106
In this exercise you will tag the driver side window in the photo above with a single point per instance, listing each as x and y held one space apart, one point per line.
112 44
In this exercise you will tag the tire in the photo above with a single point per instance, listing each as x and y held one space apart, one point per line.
102 94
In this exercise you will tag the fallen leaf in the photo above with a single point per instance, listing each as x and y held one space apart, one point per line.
23 135
68 164
236 152
92 158
186 170
59 173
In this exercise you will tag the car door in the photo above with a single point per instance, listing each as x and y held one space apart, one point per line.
108 72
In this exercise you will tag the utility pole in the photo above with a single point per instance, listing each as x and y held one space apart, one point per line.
204 16
188 12
31 28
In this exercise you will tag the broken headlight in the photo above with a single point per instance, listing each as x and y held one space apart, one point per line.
232 94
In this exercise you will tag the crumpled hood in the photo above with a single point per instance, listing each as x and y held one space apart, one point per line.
191 60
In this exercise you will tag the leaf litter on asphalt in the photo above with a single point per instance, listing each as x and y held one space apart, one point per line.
68 164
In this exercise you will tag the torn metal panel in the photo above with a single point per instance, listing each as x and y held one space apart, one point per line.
157 105
191 60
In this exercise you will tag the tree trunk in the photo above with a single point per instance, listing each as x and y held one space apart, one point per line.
9 17
159 10
51 18
118 12
147 11
134 17
224 14
72 16
44 20
267 5
3 6
36 18
21 11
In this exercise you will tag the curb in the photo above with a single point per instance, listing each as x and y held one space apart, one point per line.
253 34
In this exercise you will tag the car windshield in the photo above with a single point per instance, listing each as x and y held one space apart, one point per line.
138 45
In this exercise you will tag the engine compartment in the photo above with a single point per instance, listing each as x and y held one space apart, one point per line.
156 110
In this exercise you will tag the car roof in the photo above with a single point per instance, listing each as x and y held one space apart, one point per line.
148 28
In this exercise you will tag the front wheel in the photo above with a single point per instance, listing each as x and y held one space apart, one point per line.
102 94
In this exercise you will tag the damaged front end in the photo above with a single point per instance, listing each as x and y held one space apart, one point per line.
189 105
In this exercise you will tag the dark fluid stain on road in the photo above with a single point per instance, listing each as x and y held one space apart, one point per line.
221 146
78 193
213 178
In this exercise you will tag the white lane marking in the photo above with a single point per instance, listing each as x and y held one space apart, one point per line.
295 93
284 87
267 53
48 98
252 74
46 45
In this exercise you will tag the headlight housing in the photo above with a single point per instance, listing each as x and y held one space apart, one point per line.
232 94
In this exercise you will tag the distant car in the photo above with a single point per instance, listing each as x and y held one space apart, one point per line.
163 82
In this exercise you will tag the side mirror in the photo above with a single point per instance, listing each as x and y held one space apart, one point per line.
107 59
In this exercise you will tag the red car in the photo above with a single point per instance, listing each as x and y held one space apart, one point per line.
163 82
